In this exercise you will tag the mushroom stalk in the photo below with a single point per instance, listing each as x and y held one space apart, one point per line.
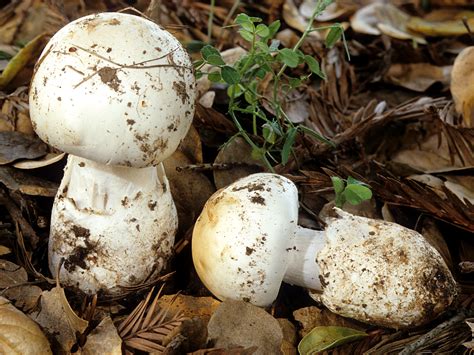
303 270
105 210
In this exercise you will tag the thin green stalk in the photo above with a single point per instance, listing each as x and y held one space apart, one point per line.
210 20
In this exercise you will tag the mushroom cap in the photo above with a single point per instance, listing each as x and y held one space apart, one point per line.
462 76
242 238
382 273
113 88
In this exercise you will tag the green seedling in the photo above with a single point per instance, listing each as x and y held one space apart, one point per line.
271 135
350 190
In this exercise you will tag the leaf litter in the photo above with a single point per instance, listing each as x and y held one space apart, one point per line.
388 110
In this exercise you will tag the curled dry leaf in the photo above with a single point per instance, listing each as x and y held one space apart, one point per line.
27 56
16 145
14 286
190 189
418 76
240 323
14 115
56 316
310 317
335 10
378 18
295 20
442 23
17 180
19 334
104 339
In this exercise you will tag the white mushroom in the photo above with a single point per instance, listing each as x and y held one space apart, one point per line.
117 93
246 241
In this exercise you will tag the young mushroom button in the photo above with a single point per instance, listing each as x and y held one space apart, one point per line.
116 92
246 242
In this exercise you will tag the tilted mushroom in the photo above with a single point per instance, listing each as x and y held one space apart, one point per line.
116 92
246 242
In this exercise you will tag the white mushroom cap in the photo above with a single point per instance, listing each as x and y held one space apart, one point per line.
242 238
113 88
382 273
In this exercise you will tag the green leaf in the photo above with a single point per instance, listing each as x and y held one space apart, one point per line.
248 36
269 133
263 46
260 73
352 181
294 82
287 147
355 194
215 77
195 46
262 30
208 51
316 135
234 91
199 74
334 35
242 18
313 65
273 28
230 75
288 57
245 22
338 184
324 338
215 60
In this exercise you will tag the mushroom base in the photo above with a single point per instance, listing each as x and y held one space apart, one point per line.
111 227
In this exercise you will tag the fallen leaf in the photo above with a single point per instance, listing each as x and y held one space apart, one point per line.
190 189
4 250
470 344
418 76
324 338
18 333
56 316
378 18
450 24
104 339
310 317
25 56
189 306
25 297
16 145
295 20
333 11
11 274
240 323
17 180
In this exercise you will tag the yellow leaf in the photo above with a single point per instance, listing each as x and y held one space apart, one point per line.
26 55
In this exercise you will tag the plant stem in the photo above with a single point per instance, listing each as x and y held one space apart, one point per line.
210 20
309 28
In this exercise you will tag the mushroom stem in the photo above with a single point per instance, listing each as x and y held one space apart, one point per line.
303 269
103 210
